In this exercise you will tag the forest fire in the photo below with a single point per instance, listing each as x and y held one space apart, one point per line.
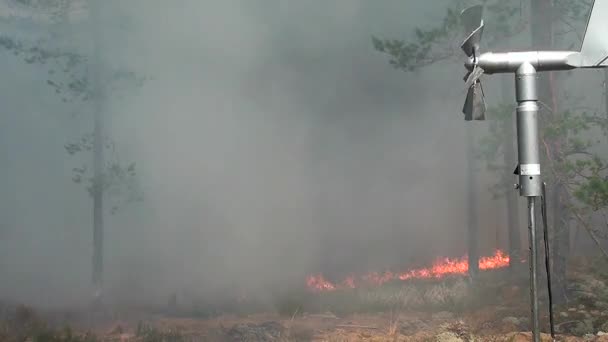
441 268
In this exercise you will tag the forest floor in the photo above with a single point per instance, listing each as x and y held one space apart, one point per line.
495 310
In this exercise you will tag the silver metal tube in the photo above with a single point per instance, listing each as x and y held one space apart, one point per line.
533 270
507 62
530 183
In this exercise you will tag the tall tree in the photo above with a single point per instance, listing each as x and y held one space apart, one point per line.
606 92
98 134
81 80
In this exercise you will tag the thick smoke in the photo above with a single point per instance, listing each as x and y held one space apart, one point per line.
271 141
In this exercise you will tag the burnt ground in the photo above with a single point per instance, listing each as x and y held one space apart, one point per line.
451 310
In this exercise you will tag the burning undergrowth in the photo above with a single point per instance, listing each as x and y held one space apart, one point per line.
443 285
442 268
453 293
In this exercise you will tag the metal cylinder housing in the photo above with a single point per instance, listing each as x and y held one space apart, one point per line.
530 182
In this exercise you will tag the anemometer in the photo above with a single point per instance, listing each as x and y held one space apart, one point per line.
525 65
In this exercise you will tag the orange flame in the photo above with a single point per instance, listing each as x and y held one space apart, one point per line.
439 269
319 283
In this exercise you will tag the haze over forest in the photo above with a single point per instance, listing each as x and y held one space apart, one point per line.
270 139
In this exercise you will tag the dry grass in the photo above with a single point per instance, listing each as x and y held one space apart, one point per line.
449 294
393 327
399 311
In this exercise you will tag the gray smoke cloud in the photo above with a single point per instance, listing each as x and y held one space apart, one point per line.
271 141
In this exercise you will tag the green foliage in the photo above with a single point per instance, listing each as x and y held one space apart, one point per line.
428 46
118 181
69 76
424 50
71 83
593 192
578 165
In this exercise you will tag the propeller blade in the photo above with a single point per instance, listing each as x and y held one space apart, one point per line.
471 43
474 105
473 76
471 18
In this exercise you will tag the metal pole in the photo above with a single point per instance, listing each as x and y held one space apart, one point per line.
533 268
530 184
547 258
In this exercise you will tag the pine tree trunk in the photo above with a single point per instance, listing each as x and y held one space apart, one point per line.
606 91
98 155
510 161
473 231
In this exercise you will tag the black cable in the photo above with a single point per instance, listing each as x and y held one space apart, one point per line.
547 257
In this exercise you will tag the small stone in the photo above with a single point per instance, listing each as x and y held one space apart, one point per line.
572 309
563 314
581 307
601 333
595 312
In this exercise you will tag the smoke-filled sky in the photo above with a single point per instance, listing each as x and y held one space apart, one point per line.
270 139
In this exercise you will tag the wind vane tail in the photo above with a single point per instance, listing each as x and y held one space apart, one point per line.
594 50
